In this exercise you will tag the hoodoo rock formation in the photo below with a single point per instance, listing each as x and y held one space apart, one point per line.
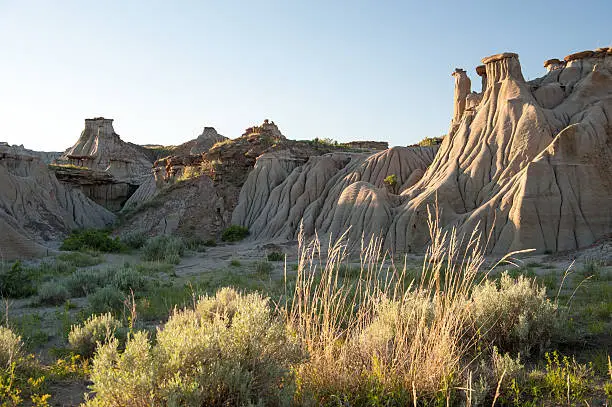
107 169
528 163
35 208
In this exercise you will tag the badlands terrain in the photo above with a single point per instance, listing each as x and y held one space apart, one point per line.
111 229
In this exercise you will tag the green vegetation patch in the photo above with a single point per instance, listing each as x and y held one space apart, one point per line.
234 233
92 239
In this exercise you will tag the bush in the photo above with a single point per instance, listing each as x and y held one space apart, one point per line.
234 233
91 239
84 338
84 282
53 293
431 141
11 347
126 279
134 239
16 282
106 299
229 350
516 316
391 183
168 249
276 256
79 259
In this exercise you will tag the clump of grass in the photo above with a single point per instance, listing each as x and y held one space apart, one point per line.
97 329
92 239
234 233
235 263
166 249
126 279
276 256
80 259
227 350
52 293
263 268
400 337
84 282
195 244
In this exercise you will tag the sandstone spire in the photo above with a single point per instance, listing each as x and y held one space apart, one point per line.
462 89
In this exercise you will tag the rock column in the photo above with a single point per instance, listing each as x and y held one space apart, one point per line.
463 87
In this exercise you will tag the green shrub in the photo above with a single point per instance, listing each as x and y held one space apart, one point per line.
516 316
234 233
431 141
84 282
11 347
16 282
391 183
276 256
564 380
235 263
84 338
168 249
106 299
79 259
134 239
126 279
52 293
229 350
91 239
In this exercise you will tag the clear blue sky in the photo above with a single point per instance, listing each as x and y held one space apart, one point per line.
369 70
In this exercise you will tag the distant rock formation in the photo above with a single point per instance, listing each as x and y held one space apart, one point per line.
35 208
195 195
199 145
528 163
107 169
100 148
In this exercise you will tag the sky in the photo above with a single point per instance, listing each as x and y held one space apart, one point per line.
345 70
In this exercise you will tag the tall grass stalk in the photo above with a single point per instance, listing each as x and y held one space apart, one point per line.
334 317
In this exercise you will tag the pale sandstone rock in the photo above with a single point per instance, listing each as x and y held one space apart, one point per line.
35 208
528 166
329 192
462 89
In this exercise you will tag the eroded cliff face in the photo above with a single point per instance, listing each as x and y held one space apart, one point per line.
525 162
328 193
35 208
